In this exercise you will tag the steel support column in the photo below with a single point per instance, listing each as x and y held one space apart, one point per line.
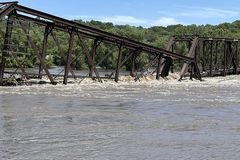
191 71
225 58
189 45
190 54
237 56
211 59
234 58
69 57
118 62
133 67
170 47
94 50
44 49
198 75
124 61
204 56
159 67
172 67
171 43
89 59
6 47
61 51
216 56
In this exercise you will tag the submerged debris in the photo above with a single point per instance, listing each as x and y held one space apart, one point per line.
9 82
18 80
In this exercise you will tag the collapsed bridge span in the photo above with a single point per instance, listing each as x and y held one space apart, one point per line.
214 56
14 16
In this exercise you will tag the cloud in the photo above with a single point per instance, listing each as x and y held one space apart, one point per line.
124 20
165 21
180 15
204 12
130 20
196 15
114 19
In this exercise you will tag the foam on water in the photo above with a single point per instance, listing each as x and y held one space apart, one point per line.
125 82
146 119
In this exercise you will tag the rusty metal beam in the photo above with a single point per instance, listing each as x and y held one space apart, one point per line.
237 57
118 63
105 57
211 59
44 48
124 61
216 55
159 67
93 33
94 51
61 51
6 47
100 33
225 59
171 43
234 58
127 58
54 75
136 45
150 65
162 61
133 65
191 37
24 73
89 59
14 54
7 10
35 50
69 57
191 54
10 2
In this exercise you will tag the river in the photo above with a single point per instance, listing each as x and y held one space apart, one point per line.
150 120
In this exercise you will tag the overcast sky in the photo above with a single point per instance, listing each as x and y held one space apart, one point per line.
144 13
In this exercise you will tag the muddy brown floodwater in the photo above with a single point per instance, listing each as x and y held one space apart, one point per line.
152 120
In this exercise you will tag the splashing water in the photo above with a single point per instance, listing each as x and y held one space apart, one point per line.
146 119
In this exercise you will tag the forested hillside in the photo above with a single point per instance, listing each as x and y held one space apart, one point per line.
157 36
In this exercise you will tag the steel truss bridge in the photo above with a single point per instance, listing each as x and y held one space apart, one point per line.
204 57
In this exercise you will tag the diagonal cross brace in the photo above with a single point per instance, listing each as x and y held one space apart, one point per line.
191 54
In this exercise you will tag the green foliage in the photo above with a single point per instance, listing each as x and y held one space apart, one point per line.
157 36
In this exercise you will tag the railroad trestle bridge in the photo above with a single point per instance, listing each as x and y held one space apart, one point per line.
204 57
